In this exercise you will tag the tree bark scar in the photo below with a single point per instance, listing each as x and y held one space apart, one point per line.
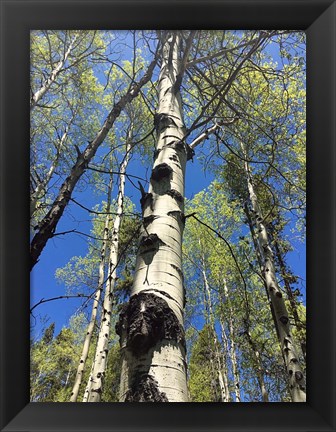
150 242
147 198
161 171
181 146
149 219
145 389
179 271
163 121
190 152
156 153
175 194
148 319
283 319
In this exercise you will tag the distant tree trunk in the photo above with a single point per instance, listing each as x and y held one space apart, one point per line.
220 370
96 300
47 226
37 96
40 189
232 350
295 376
67 377
96 379
289 292
151 325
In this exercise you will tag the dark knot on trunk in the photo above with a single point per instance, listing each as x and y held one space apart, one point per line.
148 319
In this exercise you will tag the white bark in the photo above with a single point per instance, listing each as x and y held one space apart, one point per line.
260 376
221 370
37 96
232 351
96 379
95 304
280 315
40 189
151 327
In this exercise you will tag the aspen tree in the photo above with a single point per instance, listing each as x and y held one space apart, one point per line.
38 95
151 325
295 376
40 188
96 380
221 370
96 300
287 277
232 351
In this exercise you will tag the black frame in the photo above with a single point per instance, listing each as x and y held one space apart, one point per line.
317 17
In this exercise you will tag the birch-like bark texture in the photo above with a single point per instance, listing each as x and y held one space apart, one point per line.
151 326
40 189
47 226
221 370
232 350
295 376
96 300
290 295
96 379
37 96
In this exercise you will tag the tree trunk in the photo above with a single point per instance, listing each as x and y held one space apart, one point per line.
52 77
151 325
40 188
280 315
289 292
220 370
95 304
47 226
232 350
96 379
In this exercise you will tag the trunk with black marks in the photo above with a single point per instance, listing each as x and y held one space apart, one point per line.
37 96
289 292
96 379
295 376
151 326
232 351
95 304
47 226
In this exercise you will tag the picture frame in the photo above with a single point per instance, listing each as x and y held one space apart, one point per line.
317 18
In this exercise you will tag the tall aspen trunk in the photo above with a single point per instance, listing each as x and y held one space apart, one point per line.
37 96
220 370
232 350
289 292
96 300
225 352
96 379
40 188
151 326
295 376
257 249
67 378
88 385
47 226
